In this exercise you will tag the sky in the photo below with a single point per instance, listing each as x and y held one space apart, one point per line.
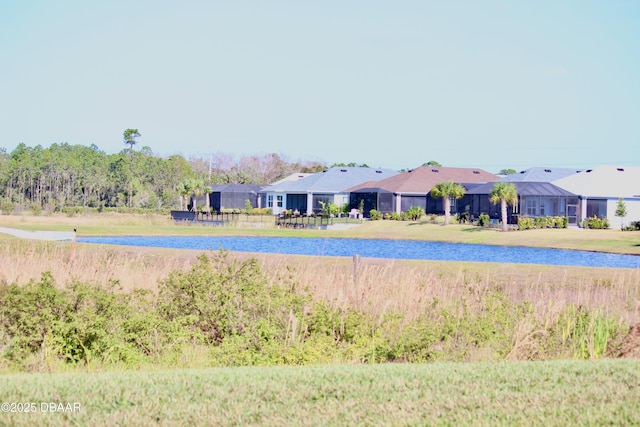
487 84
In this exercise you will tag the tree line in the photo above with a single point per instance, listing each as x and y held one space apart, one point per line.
64 175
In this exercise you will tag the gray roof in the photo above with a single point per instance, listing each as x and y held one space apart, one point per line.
527 189
538 174
236 188
333 180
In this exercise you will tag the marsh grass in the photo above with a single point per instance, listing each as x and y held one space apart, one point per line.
593 306
591 303
376 286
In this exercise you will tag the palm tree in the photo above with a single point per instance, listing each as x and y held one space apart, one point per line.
505 193
206 189
185 190
198 190
446 191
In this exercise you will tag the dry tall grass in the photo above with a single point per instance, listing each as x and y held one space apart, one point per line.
374 285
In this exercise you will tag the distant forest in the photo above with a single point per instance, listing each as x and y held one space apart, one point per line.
64 176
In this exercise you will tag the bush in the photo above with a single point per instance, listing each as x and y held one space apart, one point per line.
6 207
221 297
374 215
525 223
261 211
596 223
634 225
484 220
415 213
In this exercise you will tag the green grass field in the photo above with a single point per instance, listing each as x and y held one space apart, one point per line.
557 393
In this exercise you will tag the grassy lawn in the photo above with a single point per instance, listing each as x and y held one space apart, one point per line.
519 393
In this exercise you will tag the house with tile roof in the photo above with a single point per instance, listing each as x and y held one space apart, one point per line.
403 191
307 194
599 189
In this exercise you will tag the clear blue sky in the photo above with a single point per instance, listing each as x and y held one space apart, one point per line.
489 84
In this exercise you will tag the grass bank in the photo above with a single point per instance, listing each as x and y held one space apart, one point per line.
559 393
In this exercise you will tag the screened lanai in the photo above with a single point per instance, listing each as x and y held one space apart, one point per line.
534 199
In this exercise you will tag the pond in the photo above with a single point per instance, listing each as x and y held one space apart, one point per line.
374 248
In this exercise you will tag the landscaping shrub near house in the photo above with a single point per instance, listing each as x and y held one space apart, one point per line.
527 223
415 213
374 215
596 223
260 211
633 226
484 220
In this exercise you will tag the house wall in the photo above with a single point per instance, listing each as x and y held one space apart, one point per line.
277 202
633 212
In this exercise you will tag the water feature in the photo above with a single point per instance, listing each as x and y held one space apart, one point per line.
375 248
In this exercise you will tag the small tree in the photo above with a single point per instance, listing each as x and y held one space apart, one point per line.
447 191
621 210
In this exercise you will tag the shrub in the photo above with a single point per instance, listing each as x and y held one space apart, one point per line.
484 220
525 223
374 215
415 213
221 297
634 225
261 211
6 207
596 223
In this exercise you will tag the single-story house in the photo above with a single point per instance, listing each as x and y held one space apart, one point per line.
599 190
537 196
413 188
307 194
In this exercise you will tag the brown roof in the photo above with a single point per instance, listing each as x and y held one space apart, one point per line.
421 180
